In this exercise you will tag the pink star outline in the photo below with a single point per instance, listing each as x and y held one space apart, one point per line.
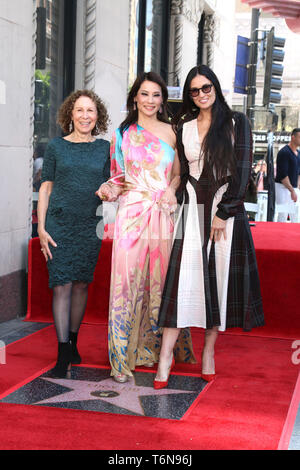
127 398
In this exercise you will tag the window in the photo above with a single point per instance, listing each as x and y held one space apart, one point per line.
149 37
54 75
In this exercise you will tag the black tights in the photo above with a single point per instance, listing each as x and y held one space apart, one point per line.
68 306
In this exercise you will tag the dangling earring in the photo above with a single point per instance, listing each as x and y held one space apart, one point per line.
134 105
71 126
161 109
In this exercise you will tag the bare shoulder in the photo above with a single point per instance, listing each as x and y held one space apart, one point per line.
169 134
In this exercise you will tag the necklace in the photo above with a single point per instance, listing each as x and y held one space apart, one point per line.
73 139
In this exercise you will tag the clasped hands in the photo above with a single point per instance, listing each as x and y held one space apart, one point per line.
109 192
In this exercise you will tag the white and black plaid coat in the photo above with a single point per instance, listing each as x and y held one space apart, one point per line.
244 302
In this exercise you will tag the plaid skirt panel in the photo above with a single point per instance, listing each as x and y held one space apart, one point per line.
244 303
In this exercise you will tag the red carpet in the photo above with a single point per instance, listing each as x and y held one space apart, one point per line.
234 412
40 296
291 417
277 248
278 257
251 405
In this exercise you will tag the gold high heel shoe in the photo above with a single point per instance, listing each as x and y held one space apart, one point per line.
150 364
121 378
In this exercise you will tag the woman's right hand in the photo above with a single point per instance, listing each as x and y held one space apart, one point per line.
168 200
294 195
106 193
218 228
45 240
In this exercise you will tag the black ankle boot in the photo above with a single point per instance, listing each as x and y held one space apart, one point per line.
76 359
63 360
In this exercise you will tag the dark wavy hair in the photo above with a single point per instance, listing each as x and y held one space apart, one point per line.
132 115
64 115
218 145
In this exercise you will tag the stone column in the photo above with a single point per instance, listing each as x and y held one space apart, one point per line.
156 36
210 39
90 45
185 17
31 118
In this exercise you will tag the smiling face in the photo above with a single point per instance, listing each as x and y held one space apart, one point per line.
203 101
84 115
149 98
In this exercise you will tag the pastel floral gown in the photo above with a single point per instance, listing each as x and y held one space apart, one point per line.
141 163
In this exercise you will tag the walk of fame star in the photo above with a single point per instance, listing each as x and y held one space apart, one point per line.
93 389
125 396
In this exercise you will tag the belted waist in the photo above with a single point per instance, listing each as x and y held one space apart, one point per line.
147 193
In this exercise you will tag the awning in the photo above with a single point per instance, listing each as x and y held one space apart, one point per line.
288 9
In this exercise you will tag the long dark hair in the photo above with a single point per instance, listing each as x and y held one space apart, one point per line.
132 115
217 147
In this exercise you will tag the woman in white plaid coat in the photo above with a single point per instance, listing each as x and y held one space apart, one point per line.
212 280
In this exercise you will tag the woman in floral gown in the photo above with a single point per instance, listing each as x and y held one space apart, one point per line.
144 177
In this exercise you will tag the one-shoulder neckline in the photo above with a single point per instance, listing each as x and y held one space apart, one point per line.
141 127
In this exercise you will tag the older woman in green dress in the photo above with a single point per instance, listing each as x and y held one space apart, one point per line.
74 167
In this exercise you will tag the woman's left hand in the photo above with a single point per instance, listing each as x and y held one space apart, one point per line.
106 193
218 228
168 200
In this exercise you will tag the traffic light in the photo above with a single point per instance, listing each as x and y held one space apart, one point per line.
273 68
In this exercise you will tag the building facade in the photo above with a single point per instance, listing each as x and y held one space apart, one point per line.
285 116
48 48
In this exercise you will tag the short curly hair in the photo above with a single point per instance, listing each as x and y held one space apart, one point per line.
64 115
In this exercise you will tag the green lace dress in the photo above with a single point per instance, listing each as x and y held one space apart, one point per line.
74 219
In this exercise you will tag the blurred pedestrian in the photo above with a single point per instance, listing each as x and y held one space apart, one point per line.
261 179
287 181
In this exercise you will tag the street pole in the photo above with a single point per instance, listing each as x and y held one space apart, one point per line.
251 88
271 182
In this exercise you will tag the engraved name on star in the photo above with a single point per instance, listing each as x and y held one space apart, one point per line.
125 396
